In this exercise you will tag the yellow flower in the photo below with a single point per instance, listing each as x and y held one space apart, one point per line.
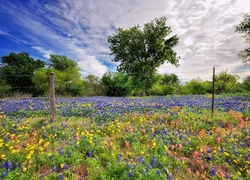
40 141
142 152
61 165
11 147
41 148
154 144
32 152
226 153
29 156
46 144
2 156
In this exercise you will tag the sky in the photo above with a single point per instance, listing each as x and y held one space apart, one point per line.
79 30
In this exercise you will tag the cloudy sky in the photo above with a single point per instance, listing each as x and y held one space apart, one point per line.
79 30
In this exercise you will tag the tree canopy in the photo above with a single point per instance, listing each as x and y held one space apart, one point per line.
17 70
67 81
140 51
61 63
244 27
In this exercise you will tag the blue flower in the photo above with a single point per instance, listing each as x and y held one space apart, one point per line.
154 162
158 172
130 174
169 176
61 176
227 176
9 165
212 172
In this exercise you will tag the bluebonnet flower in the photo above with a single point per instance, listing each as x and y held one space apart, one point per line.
158 172
144 172
42 175
154 162
66 167
61 176
9 165
130 174
61 151
4 174
164 170
16 165
54 169
210 158
212 172
236 153
169 176
227 176
3 165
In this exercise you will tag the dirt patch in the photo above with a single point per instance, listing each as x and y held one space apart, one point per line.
44 170
81 172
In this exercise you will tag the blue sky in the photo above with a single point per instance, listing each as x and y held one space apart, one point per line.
79 30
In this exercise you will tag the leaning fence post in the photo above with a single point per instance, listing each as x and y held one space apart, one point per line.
213 91
52 96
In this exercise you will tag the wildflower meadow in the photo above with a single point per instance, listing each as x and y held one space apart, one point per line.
172 137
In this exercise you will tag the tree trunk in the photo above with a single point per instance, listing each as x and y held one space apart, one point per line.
144 88
52 96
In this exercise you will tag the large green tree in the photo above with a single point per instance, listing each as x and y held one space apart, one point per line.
140 51
116 84
92 86
246 83
165 84
224 82
61 62
195 86
17 70
244 27
67 77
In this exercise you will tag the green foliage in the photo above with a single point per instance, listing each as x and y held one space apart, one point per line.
195 86
92 86
224 82
61 63
17 71
116 84
165 84
244 27
67 78
4 89
41 81
246 83
140 51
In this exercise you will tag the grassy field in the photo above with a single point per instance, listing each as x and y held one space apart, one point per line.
125 138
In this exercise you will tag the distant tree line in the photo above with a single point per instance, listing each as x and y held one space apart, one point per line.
139 52
20 73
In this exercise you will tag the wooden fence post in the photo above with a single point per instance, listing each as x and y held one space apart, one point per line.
52 96
213 91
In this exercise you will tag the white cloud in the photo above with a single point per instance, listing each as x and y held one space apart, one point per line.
79 30
46 53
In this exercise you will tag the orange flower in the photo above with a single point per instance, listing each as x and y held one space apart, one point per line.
218 139
127 144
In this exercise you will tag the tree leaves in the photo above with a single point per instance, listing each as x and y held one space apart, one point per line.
140 51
